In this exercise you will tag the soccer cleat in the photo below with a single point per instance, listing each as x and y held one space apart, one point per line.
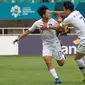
57 81
83 81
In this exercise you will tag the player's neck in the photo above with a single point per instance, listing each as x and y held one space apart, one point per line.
45 20
69 12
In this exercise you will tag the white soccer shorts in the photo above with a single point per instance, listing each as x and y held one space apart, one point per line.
81 48
53 49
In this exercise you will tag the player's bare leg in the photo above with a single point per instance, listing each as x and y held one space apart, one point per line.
83 70
79 55
48 61
61 62
80 60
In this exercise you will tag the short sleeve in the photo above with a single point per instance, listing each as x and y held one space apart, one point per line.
67 20
33 27
55 23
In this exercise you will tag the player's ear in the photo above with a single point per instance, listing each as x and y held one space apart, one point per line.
43 15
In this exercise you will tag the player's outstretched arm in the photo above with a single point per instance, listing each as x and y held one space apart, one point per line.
59 13
57 27
45 27
61 27
21 36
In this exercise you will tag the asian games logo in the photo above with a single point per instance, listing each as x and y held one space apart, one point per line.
15 11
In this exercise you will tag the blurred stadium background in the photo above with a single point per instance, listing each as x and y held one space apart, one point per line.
16 16
22 64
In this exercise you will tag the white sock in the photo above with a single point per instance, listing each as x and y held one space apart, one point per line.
81 65
53 73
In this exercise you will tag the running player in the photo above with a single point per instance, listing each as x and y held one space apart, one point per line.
51 45
75 19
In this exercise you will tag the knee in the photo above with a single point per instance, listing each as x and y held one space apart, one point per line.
61 63
77 58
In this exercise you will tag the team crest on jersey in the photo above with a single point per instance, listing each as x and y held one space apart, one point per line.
50 24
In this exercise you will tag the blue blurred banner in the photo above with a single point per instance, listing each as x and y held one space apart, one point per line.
32 45
11 11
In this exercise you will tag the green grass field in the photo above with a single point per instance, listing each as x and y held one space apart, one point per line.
24 70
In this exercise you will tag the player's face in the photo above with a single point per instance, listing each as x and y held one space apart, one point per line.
47 14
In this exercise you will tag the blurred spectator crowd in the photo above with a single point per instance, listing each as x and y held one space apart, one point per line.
35 1
24 23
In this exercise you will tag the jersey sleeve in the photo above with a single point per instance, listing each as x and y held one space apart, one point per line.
33 27
55 23
65 22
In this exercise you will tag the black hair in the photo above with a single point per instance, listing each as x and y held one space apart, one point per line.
69 5
42 10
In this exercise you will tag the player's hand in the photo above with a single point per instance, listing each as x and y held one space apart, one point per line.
43 26
16 40
76 42
59 19
66 28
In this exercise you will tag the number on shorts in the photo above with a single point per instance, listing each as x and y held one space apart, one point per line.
79 46
59 53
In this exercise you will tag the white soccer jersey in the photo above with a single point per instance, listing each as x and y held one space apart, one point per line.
78 22
50 45
47 35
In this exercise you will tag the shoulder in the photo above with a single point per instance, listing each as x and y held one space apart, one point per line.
37 22
69 18
74 13
53 20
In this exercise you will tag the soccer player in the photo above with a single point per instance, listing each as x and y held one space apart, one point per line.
75 19
51 45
